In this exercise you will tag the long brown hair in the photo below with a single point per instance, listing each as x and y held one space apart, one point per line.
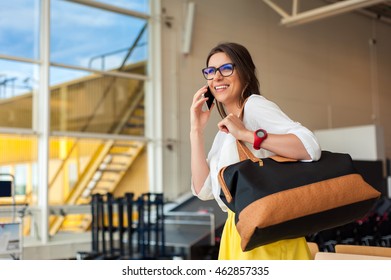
245 66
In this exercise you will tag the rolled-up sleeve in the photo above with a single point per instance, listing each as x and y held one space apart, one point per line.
306 136
274 120
206 190
310 143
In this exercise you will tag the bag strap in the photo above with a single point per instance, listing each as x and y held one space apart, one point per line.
244 152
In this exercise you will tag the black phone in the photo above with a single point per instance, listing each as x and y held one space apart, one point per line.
210 100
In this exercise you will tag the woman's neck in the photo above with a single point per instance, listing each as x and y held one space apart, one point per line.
233 109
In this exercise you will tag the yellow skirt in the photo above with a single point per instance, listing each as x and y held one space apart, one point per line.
290 249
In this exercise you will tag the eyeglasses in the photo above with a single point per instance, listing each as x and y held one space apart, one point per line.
225 71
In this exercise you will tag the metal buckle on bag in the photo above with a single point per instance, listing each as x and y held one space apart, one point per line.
260 162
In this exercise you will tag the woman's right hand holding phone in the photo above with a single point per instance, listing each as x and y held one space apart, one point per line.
198 116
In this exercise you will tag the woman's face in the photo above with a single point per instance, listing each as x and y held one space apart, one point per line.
226 90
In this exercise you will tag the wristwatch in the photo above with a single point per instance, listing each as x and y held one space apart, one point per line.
259 136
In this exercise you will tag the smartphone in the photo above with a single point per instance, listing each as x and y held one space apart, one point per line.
210 100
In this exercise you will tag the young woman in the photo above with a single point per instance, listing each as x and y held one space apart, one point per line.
251 118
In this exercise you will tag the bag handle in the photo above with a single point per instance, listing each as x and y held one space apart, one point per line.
245 153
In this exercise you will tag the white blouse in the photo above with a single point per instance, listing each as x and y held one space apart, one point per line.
258 113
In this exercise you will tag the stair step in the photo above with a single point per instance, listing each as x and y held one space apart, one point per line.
112 170
107 180
118 165
121 154
124 145
114 163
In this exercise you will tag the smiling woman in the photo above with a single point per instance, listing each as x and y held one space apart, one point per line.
231 77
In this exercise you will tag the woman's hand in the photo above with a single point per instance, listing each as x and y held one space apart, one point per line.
234 125
198 117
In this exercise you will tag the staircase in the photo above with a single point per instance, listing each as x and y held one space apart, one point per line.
106 167
112 158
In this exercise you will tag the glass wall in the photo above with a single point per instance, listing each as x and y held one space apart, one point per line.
19 29
19 42
19 82
100 40
135 5
19 157
97 103
97 73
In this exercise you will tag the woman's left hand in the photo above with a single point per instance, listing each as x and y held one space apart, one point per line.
234 125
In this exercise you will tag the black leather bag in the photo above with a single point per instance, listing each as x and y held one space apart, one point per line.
278 198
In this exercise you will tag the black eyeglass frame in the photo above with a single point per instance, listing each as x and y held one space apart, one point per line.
218 69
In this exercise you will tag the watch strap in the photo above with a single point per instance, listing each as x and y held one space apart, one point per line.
258 140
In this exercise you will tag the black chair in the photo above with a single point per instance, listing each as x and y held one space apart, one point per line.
98 246
151 234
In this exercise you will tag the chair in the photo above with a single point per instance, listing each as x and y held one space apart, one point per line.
314 248
341 256
363 250
151 233
109 228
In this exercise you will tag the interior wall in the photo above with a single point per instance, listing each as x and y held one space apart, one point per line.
325 74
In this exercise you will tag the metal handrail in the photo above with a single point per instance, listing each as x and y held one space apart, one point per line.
103 56
130 50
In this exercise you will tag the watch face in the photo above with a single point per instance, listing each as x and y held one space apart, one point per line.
260 134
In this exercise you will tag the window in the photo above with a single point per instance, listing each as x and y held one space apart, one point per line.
20 179
104 40
19 38
97 72
19 30
141 6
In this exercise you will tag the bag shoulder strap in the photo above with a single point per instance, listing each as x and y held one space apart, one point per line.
244 152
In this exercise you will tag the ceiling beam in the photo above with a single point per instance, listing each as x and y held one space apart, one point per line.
319 13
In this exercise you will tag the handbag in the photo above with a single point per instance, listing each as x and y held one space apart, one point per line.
278 198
